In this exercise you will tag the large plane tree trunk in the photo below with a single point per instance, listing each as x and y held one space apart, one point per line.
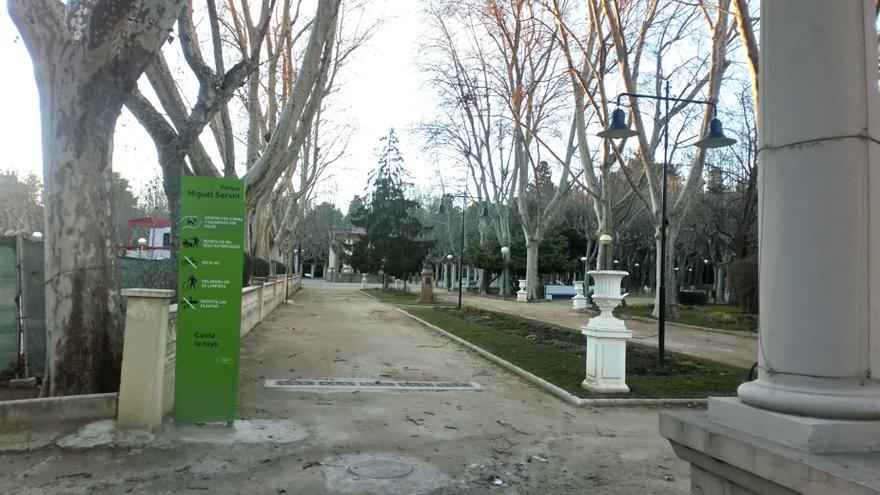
87 58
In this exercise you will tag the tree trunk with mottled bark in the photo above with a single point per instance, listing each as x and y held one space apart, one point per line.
87 58
532 268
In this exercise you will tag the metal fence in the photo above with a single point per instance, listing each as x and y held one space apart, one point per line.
23 307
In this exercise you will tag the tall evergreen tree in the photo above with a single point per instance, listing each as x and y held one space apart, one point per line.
394 240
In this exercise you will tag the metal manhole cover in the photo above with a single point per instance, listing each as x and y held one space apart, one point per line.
380 468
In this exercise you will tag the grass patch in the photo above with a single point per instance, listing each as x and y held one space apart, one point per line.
398 297
721 316
556 354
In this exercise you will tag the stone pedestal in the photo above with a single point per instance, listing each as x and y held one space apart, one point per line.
579 301
606 337
143 358
426 294
364 281
522 294
726 460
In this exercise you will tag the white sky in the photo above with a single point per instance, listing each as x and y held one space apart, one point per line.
380 88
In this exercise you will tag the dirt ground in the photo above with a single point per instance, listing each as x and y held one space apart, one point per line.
729 348
509 437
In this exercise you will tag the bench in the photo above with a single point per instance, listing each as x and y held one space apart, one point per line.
559 291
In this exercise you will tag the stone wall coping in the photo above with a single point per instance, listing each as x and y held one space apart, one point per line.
148 293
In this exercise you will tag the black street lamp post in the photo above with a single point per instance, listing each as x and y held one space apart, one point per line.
442 210
505 271
618 128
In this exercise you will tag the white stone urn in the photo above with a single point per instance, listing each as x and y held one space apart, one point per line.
364 281
579 301
606 336
522 294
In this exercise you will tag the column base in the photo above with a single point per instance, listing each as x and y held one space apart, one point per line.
604 388
832 398
522 296
728 460
814 435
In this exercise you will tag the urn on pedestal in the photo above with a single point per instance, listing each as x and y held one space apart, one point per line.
606 336
522 295
579 301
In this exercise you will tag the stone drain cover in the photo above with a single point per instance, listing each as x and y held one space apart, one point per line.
380 468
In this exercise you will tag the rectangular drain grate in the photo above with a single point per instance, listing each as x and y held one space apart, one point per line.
369 384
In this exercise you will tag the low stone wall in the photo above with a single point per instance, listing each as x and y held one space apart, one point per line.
52 410
257 301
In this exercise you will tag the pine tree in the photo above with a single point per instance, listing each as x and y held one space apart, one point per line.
393 241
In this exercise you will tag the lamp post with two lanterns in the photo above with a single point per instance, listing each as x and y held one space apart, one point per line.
715 138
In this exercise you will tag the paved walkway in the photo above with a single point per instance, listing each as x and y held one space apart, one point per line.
457 441
738 350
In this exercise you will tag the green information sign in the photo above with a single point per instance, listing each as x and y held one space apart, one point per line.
209 299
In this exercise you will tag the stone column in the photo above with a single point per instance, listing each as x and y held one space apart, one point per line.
262 298
426 293
810 423
143 358
819 182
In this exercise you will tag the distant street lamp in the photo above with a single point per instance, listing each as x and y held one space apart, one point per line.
637 267
584 260
448 272
505 256
705 277
440 211
715 138
604 242
141 242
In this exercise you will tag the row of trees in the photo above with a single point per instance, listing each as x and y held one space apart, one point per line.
404 230
261 74
520 82
525 84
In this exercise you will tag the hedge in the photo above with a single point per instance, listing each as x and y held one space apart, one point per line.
692 297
